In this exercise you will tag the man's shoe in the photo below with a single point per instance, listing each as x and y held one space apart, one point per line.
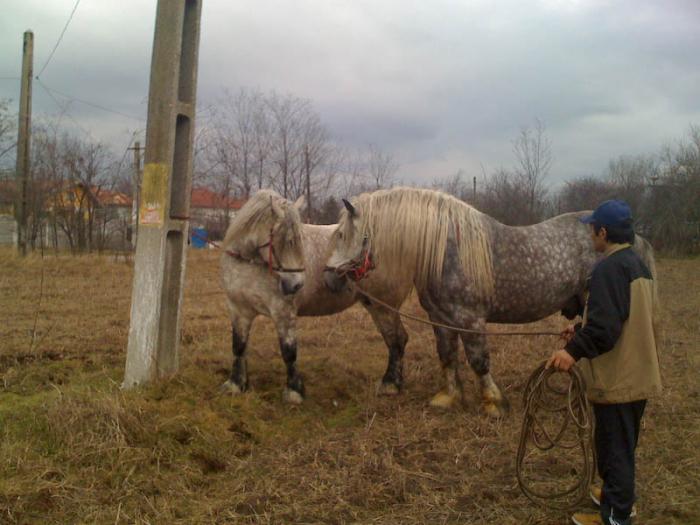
587 518
596 493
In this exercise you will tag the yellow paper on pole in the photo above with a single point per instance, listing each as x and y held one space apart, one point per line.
154 194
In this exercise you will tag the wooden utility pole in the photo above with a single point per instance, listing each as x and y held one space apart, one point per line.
474 192
23 141
161 250
135 192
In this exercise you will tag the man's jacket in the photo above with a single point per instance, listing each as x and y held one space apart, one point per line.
617 334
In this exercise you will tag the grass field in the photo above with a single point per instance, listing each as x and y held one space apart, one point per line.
74 448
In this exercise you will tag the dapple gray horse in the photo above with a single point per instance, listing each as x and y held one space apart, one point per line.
468 270
264 242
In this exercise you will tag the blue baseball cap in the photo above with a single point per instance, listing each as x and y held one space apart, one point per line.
610 213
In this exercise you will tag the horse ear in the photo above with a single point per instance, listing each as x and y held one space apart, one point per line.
276 208
300 204
350 208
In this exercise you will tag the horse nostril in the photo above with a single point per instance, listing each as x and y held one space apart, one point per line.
288 288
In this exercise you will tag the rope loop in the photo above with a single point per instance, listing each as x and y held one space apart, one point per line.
543 401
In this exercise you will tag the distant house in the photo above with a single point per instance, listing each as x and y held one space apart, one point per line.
213 211
79 217
88 217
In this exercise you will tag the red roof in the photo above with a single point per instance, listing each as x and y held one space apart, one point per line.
201 197
206 198
111 198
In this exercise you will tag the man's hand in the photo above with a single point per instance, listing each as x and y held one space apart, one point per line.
561 360
568 333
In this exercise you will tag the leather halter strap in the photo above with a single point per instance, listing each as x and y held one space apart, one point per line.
271 257
357 268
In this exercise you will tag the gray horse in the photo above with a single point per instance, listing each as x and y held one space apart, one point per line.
468 270
263 246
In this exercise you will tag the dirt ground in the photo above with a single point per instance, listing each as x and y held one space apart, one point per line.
74 448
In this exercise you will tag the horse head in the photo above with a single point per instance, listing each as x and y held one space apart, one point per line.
267 232
286 249
349 249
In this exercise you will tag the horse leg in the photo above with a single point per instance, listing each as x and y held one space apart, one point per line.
447 351
395 337
493 403
286 330
240 328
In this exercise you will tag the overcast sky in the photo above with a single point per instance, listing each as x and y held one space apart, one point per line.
441 85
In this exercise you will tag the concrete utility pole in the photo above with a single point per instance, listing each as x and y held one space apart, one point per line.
154 331
135 192
23 141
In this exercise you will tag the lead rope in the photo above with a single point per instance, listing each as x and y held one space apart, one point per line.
576 410
441 325
537 398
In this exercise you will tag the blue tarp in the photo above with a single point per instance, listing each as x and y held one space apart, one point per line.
199 238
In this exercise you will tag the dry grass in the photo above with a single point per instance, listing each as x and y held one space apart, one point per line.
76 449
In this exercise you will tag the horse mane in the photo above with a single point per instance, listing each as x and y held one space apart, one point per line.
257 214
408 230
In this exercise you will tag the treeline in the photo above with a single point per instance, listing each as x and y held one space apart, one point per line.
68 173
249 140
663 189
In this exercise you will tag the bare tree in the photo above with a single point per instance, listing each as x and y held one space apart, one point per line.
506 199
584 193
630 177
232 140
456 185
204 162
67 177
256 140
301 154
262 139
381 168
671 213
533 153
287 113
8 130
369 170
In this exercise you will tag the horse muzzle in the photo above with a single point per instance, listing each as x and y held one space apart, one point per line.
334 282
291 283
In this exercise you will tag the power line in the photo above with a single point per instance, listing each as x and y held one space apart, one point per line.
64 110
59 39
88 103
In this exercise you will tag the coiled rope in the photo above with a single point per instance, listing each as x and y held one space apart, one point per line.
542 397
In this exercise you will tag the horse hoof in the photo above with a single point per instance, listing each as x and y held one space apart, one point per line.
388 389
229 387
443 400
292 397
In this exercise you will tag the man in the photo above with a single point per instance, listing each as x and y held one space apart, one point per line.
616 341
